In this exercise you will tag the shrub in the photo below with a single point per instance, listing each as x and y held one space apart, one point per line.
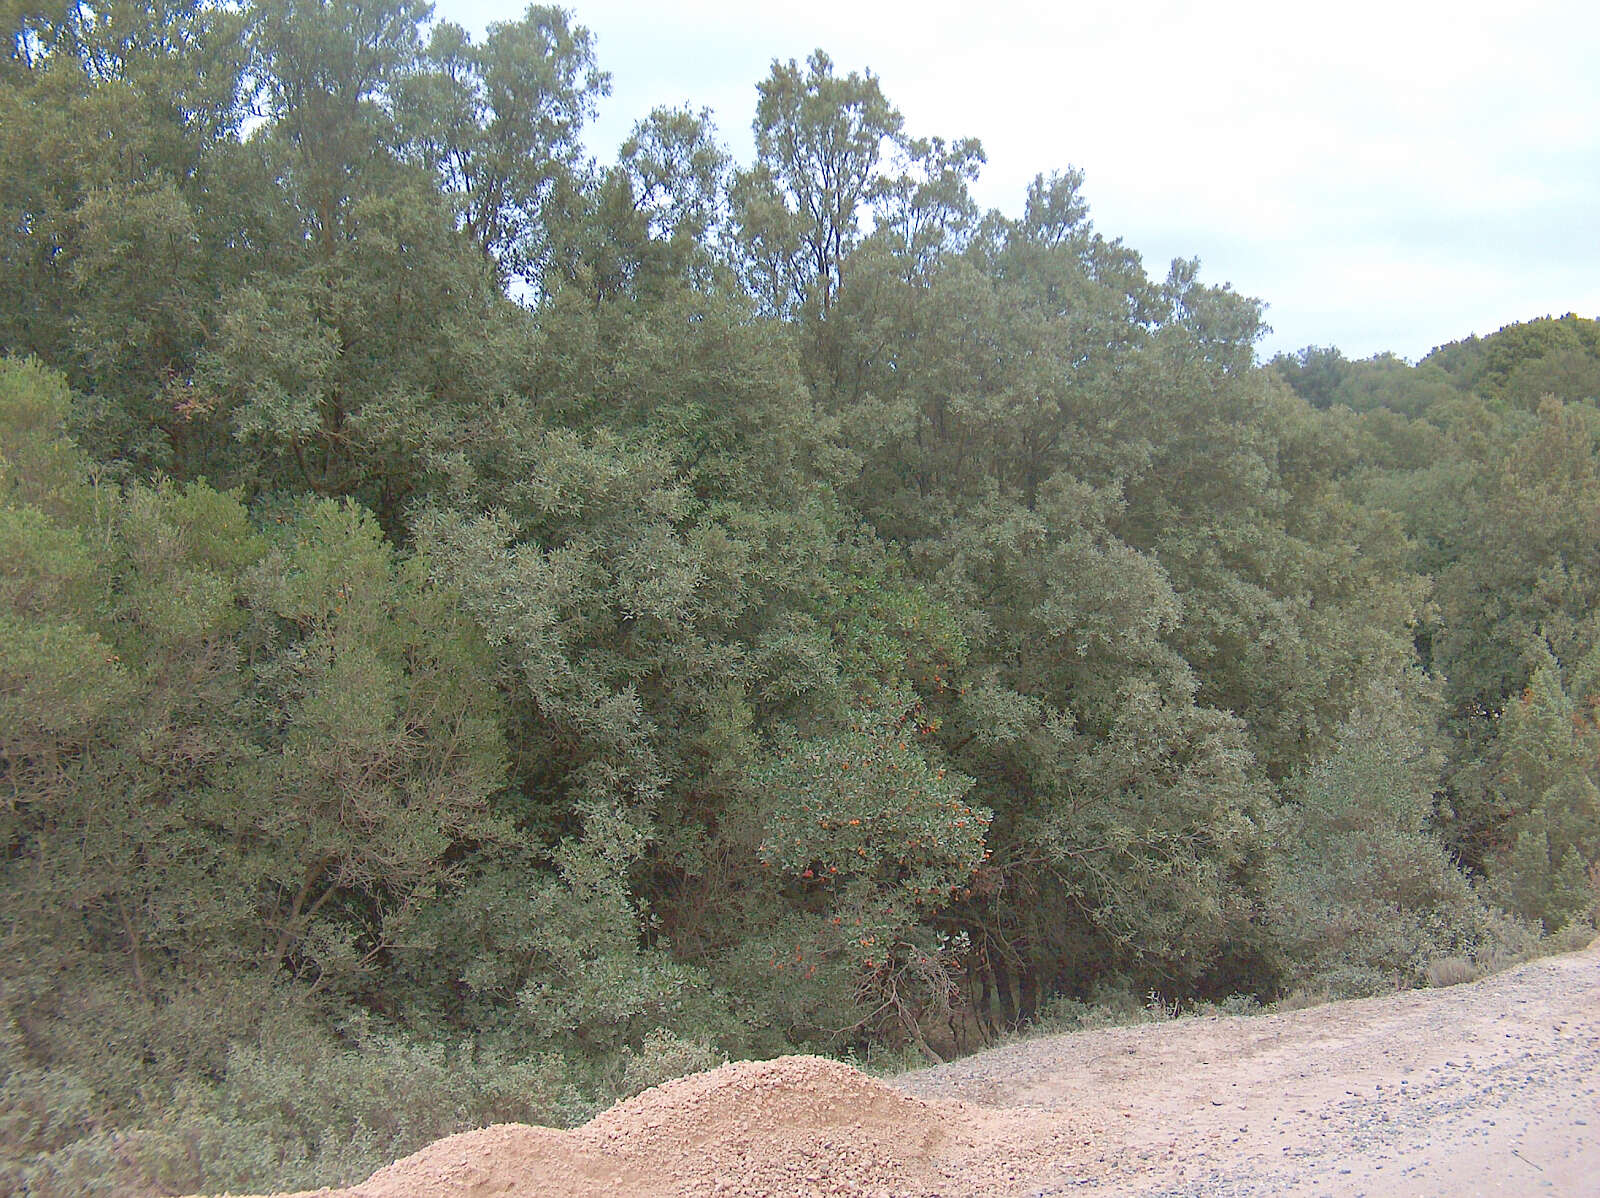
1452 971
1367 896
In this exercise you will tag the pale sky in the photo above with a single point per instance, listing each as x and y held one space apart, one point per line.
1387 176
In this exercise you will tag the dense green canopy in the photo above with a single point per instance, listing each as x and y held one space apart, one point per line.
482 631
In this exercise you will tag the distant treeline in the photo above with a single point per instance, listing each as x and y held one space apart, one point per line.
484 631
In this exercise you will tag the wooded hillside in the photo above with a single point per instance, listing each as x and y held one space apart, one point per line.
484 631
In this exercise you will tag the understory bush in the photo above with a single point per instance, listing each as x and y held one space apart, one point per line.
293 1107
1366 896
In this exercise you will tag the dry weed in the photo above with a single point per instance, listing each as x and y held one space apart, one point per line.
1452 971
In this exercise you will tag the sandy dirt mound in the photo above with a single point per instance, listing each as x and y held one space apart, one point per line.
793 1126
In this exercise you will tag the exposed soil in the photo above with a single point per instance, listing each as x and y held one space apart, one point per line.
1489 1088
1481 1089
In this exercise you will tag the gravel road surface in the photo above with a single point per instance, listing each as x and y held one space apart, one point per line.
1491 1088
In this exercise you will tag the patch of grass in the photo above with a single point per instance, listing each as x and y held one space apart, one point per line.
1451 971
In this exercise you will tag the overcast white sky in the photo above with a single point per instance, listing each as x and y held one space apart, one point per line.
1386 174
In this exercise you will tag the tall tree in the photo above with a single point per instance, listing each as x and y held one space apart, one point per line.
331 353
819 142
926 210
501 123
112 117
331 70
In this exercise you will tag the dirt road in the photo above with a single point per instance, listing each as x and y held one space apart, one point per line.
1491 1088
